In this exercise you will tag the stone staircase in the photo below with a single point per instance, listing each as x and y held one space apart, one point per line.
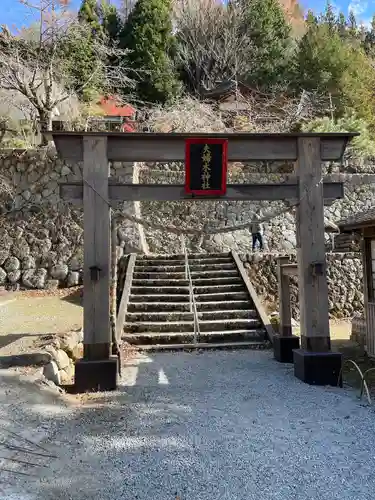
158 311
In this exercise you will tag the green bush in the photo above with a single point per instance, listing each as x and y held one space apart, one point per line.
361 147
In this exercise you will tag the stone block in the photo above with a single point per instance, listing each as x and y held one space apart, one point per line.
62 359
11 264
28 262
283 347
318 368
96 375
52 372
73 278
14 276
59 271
52 284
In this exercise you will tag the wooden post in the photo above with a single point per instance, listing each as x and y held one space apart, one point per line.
313 288
367 276
97 244
285 327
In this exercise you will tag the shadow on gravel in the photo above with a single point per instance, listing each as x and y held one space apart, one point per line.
80 426
233 422
6 340
75 298
9 339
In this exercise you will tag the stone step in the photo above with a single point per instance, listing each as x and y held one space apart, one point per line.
221 296
181 268
210 261
189 346
233 305
256 334
231 280
230 266
180 290
248 313
159 275
188 326
159 298
160 262
159 282
182 256
158 317
161 290
217 273
172 316
168 296
181 261
218 289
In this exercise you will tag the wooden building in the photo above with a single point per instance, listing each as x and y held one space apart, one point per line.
362 225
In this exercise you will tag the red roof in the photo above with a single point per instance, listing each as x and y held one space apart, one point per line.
126 127
111 108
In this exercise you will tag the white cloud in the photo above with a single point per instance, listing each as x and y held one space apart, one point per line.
358 7
366 23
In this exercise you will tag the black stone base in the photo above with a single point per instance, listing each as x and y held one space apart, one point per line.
92 376
318 368
283 347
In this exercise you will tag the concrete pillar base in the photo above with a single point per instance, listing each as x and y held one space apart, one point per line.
318 368
283 347
99 375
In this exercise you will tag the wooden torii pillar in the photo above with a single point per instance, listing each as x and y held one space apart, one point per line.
98 369
285 342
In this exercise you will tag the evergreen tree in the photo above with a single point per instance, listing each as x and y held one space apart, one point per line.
82 64
352 25
369 40
148 36
89 13
329 17
266 25
111 22
320 58
330 64
341 25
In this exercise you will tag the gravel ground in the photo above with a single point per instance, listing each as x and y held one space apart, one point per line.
217 426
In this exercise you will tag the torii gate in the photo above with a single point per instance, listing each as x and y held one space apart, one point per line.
98 369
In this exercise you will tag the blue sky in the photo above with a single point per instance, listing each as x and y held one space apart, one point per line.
363 9
15 14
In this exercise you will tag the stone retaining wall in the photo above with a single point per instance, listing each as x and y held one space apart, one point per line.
279 232
41 237
345 282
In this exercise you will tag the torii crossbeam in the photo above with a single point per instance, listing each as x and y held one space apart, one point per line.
98 368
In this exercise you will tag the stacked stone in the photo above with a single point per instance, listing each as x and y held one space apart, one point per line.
64 351
41 237
344 275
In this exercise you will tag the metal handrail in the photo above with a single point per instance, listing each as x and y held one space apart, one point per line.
192 303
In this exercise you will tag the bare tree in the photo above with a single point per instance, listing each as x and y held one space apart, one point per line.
277 111
212 46
33 64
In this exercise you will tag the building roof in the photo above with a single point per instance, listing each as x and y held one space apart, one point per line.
359 219
111 107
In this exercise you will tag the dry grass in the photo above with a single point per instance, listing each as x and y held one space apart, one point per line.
187 115
354 352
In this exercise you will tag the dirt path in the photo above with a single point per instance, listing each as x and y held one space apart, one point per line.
29 314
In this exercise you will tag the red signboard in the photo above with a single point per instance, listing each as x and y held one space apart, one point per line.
206 166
